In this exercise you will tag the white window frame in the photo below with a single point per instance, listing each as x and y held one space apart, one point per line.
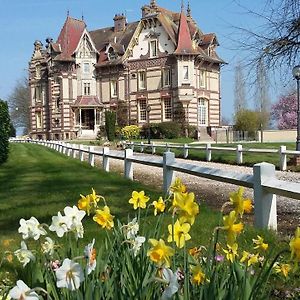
114 88
86 68
166 77
142 110
86 88
167 109
153 45
186 75
142 80
202 78
38 93
203 112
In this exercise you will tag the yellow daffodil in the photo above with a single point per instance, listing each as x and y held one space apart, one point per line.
283 269
104 218
88 202
295 246
195 252
231 252
259 244
186 207
249 258
180 233
159 206
240 204
177 186
232 229
138 199
160 253
198 277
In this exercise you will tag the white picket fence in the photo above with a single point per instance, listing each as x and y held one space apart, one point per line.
263 181
208 149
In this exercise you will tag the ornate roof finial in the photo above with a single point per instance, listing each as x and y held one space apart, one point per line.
68 13
152 3
82 18
188 11
182 6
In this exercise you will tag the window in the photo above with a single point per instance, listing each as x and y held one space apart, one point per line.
168 109
86 68
202 78
166 77
185 72
38 72
142 80
38 93
113 88
57 104
38 119
153 48
202 112
143 110
86 88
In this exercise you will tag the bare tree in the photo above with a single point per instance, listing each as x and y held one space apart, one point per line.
277 41
240 102
262 100
19 101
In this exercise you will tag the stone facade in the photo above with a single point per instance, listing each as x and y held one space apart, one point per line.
160 68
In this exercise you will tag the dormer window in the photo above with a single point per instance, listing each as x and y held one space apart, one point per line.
111 54
153 48
86 89
86 68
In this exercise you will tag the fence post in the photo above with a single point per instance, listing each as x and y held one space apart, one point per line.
185 151
105 161
91 156
208 152
74 146
153 148
128 165
132 146
69 149
283 158
167 147
265 210
239 154
142 147
168 158
61 148
81 153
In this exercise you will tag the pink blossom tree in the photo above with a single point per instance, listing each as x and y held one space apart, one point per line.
284 112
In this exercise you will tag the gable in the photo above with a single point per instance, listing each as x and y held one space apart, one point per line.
85 48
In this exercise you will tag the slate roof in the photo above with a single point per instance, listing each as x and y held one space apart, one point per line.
84 101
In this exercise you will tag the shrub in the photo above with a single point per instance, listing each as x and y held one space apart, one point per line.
247 120
170 130
130 132
136 262
4 131
110 125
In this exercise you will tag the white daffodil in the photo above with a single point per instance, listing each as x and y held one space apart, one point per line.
22 292
172 281
31 229
78 230
48 246
90 255
59 224
69 275
24 255
73 215
131 229
137 243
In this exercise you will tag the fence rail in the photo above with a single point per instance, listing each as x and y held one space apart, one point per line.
263 181
239 150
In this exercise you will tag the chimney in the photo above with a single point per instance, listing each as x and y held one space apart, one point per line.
120 23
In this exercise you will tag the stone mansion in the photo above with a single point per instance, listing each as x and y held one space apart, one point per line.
155 67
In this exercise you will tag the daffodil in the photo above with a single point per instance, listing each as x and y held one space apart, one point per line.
231 227
160 253
90 255
283 269
31 229
187 208
88 202
249 258
48 246
131 229
295 246
240 204
22 292
198 277
231 252
259 244
180 233
59 224
69 275
172 281
177 186
104 218
137 244
138 199
159 206
24 255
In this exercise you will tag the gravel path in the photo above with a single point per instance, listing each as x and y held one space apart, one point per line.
215 193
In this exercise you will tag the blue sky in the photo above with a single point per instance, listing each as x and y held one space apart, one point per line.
23 22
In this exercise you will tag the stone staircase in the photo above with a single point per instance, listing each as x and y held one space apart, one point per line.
204 136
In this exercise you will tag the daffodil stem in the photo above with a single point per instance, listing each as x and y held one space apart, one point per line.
173 243
186 275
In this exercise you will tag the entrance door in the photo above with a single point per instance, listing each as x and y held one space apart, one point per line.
88 119
202 112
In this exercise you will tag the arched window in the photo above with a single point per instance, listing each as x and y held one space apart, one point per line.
203 112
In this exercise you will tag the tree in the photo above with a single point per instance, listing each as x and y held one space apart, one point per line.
4 131
277 40
19 102
284 112
12 130
110 125
247 120
240 102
